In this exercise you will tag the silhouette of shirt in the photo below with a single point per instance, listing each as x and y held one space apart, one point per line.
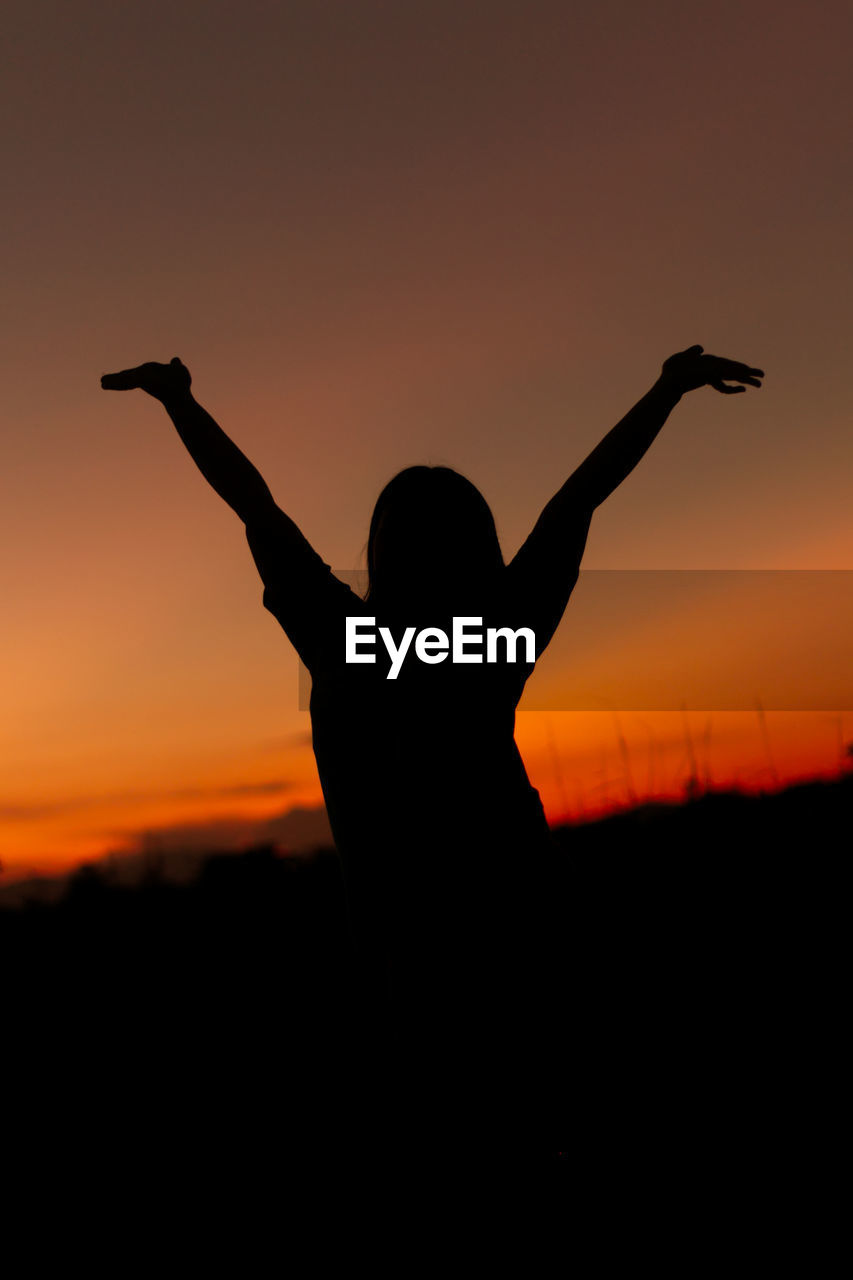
439 735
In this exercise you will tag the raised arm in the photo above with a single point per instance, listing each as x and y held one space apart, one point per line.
222 464
300 589
546 567
623 447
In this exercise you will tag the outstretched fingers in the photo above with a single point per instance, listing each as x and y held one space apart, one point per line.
733 371
729 391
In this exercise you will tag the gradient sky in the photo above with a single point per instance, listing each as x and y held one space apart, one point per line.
385 233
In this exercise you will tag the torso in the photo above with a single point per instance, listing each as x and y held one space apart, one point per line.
439 829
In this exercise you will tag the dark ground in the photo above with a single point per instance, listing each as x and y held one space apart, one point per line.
696 1001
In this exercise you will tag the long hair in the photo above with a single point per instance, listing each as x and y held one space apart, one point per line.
430 524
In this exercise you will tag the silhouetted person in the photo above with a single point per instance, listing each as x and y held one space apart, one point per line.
444 841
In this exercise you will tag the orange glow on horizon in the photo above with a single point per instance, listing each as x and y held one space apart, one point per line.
584 765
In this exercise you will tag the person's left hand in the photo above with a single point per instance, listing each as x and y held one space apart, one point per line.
687 370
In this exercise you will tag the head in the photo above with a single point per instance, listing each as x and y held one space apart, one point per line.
432 535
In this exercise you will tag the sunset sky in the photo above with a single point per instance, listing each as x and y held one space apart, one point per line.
382 232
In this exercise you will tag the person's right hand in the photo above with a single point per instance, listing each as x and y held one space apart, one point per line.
162 381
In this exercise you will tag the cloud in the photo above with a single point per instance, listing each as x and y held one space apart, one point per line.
235 789
34 811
